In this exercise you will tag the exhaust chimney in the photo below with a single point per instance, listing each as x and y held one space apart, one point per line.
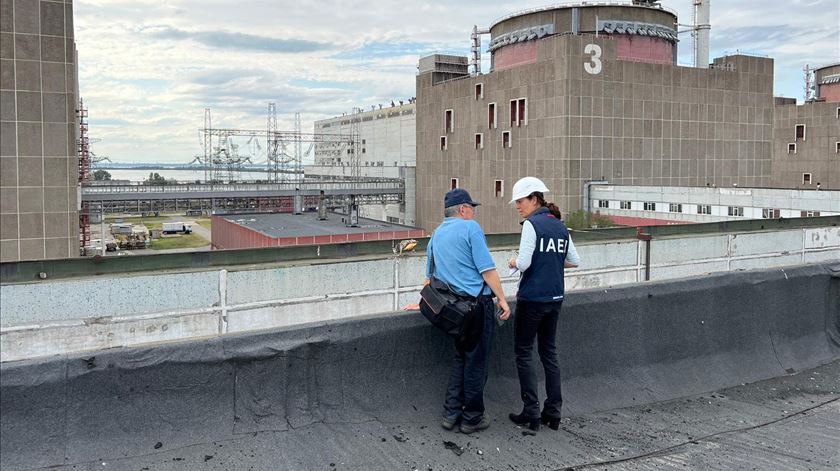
701 33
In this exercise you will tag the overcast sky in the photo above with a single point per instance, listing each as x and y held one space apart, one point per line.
149 68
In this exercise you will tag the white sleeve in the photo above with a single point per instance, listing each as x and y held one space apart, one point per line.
572 254
527 244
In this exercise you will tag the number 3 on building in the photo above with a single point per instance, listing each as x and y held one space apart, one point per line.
594 65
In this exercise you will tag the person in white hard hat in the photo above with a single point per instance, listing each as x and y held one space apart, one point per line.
545 250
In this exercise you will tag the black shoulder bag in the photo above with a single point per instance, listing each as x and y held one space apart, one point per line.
447 310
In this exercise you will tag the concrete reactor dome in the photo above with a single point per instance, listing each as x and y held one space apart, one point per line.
645 32
827 79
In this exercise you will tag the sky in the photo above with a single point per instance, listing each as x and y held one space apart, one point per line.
148 69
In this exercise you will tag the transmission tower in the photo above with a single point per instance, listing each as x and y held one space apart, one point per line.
208 147
297 163
273 145
356 144
809 83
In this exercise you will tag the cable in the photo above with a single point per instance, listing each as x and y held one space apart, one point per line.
694 441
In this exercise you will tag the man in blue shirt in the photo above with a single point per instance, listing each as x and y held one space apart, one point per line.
462 260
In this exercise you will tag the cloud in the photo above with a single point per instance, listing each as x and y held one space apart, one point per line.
236 40
148 69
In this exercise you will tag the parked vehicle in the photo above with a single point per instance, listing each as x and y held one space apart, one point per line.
176 227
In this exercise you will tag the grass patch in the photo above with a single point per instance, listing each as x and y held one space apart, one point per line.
188 241
205 223
151 222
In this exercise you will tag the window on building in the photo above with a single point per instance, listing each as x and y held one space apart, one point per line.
603 203
800 132
513 113
650 206
791 148
453 183
806 178
499 188
735 210
491 116
363 142
506 139
519 112
624 205
479 141
837 147
448 124
479 91
442 142
675 208
770 213
838 112
704 209
809 214
363 150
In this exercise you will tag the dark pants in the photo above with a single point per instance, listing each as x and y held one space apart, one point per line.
465 393
538 320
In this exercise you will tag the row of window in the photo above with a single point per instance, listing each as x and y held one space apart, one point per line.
498 187
518 115
766 213
479 141
792 148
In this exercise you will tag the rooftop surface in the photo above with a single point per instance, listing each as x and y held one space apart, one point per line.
307 224
787 423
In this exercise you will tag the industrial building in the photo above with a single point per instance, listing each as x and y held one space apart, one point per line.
386 150
656 205
245 231
587 92
806 138
39 166
386 133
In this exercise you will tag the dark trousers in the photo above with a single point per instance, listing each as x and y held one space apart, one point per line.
465 392
538 321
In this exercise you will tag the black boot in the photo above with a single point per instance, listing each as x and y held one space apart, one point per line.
552 422
522 420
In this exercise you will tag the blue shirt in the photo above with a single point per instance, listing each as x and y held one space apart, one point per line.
461 256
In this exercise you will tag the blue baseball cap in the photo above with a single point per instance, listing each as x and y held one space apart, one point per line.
458 196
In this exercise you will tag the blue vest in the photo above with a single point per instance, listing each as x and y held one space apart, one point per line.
543 280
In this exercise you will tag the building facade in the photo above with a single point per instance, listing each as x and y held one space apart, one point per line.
649 205
388 150
580 107
387 138
39 216
806 138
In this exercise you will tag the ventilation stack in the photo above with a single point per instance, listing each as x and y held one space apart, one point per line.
701 33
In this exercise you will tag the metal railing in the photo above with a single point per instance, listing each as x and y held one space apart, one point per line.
240 187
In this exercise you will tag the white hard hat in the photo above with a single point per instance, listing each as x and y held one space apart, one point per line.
525 186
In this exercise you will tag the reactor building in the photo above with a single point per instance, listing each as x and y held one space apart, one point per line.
592 92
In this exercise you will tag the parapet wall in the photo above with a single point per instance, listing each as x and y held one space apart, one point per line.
60 316
632 345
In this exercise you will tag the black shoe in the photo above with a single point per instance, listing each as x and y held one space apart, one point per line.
552 422
522 420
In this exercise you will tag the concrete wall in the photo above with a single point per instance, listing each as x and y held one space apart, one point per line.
53 317
39 218
631 123
816 154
